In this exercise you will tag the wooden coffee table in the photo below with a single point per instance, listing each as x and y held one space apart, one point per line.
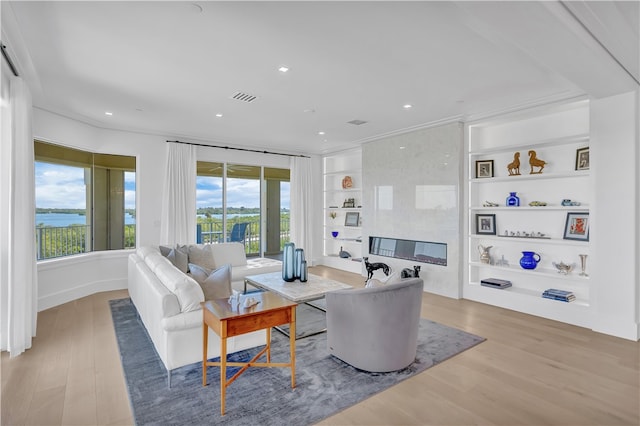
228 321
302 292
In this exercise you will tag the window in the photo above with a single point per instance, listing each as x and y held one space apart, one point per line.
234 201
84 201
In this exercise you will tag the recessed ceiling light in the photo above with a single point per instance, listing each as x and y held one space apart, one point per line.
407 106
108 113
218 115
321 133
283 69
402 147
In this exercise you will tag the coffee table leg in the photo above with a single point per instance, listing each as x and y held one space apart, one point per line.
223 373
292 346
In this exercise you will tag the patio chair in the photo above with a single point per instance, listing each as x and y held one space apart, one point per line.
238 232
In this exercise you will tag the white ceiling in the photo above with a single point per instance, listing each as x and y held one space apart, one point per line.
168 67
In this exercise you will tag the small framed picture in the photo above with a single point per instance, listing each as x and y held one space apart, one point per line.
352 219
582 158
486 224
484 168
577 227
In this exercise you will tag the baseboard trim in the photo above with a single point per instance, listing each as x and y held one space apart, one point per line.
68 295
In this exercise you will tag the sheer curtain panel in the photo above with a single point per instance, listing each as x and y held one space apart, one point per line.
302 205
178 220
18 269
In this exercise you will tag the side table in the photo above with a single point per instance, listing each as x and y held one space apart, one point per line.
228 321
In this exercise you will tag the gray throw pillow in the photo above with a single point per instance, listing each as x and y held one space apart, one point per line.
180 259
215 284
164 250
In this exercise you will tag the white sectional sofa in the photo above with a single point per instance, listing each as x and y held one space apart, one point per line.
168 302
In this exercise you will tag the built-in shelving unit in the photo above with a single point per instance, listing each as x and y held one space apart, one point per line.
337 209
555 134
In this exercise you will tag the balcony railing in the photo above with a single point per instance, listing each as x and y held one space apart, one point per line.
211 232
59 241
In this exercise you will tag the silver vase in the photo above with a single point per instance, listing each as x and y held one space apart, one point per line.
583 264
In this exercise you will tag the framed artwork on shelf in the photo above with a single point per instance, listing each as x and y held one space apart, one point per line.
577 226
486 224
352 219
582 158
484 168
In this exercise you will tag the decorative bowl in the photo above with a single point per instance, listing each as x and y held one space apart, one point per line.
563 268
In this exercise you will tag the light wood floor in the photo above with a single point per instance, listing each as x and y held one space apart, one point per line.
530 371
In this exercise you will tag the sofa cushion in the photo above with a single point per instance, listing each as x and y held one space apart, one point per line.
187 291
215 284
144 251
202 255
232 253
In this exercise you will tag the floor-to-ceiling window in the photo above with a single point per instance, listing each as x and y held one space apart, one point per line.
243 203
84 201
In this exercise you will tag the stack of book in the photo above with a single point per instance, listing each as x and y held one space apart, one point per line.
562 295
495 283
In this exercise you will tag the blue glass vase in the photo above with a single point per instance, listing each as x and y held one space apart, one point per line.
304 275
299 258
288 262
529 260
513 200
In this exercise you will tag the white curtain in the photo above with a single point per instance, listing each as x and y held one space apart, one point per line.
178 220
18 269
302 213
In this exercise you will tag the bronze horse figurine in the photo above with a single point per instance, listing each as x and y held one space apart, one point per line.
374 266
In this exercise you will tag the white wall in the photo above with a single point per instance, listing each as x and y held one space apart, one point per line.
614 261
421 170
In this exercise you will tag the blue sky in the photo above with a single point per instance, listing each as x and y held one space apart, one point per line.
63 187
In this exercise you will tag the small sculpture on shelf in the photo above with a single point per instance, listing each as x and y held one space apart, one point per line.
567 202
411 273
485 257
349 203
583 265
370 267
534 161
332 215
563 268
538 203
514 166
490 204
502 262
347 182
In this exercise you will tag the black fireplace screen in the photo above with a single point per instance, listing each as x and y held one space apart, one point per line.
419 251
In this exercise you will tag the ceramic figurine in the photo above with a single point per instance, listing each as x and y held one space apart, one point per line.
514 166
535 162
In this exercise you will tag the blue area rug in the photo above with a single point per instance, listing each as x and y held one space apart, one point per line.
263 396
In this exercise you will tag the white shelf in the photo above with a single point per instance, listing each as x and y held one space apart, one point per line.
558 241
535 176
336 167
580 208
346 172
497 141
549 273
554 142
529 294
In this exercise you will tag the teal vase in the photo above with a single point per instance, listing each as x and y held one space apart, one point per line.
288 262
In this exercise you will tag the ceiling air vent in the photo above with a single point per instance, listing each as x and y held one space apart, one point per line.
244 97
356 122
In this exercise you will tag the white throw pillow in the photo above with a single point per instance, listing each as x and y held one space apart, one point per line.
202 255
215 284
232 253
395 277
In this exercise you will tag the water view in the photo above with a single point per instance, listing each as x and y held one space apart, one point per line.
68 219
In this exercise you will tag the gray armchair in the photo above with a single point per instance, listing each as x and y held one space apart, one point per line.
375 329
